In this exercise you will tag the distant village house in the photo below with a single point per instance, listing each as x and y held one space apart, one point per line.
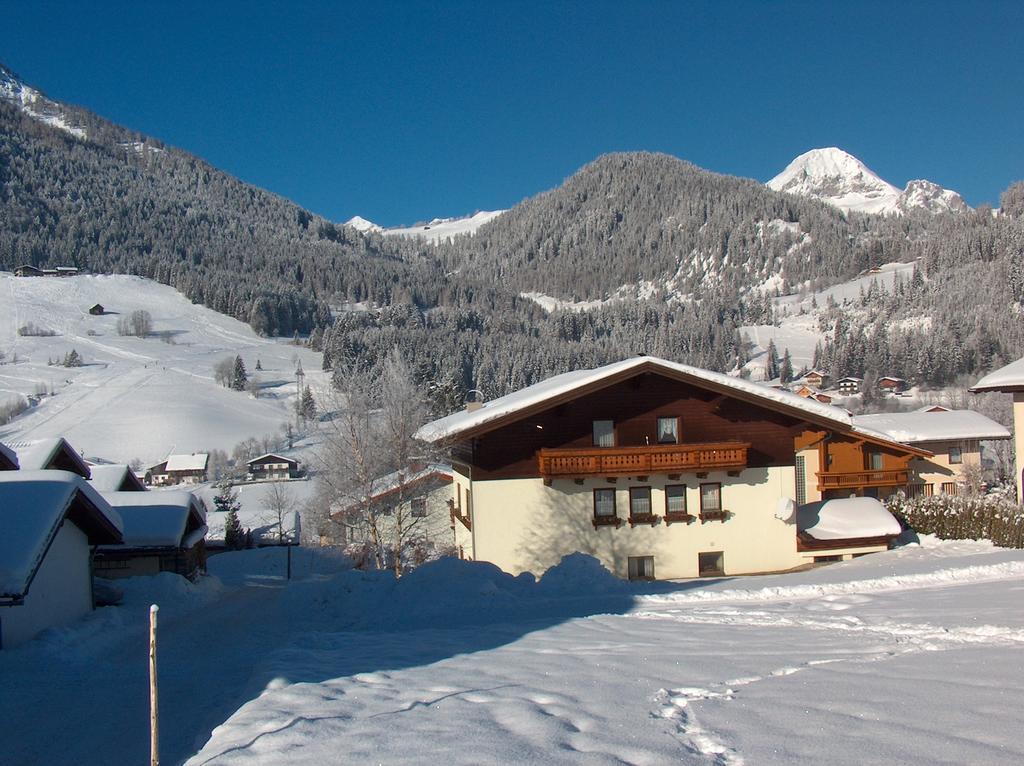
179 469
271 466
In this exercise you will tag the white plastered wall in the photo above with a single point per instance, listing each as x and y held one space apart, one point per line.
60 593
937 470
523 525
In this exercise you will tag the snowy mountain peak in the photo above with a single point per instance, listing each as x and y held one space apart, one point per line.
359 223
931 197
843 181
35 104
839 179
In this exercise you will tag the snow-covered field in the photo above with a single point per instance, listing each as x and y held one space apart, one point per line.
137 397
911 656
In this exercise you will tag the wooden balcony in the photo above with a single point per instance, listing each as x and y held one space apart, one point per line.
642 461
860 479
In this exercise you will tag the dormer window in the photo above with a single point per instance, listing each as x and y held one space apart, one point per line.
604 433
955 456
668 430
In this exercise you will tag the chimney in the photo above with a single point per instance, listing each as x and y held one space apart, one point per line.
474 400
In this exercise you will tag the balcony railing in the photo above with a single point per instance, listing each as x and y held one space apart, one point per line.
640 461
854 479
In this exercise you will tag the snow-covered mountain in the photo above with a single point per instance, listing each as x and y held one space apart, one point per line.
435 231
841 180
37 105
359 223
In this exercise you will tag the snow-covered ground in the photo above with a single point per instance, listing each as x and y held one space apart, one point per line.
137 397
911 656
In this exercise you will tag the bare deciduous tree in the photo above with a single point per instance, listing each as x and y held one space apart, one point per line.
369 450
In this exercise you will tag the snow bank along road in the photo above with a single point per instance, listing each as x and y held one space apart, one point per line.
913 656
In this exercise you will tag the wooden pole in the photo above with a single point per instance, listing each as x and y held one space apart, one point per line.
154 729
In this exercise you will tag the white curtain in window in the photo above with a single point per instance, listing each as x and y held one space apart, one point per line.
604 433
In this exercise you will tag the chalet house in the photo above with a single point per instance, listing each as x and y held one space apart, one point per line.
163 532
96 310
28 271
8 458
271 466
662 469
50 454
892 385
815 379
1010 380
179 469
952 436
421 496
115 478
849 385
51 521
809 393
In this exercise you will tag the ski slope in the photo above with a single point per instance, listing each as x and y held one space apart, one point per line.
137 397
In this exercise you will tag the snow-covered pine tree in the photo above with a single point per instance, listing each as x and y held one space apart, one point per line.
239 377
786 369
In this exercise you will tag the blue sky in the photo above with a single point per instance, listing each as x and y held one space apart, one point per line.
404 111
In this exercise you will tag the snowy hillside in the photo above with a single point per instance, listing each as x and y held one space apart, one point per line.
436 231
797 318
841 180
137 397
36 105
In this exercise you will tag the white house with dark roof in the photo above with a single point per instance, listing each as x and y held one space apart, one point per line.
272 466
163 531
663 470
1010 380
51 520
179 469
952 436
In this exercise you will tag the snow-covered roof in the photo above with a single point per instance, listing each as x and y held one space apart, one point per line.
8 456
846 518
37 454
156 519
278 458
195 462
110 478
398 479
32 506
1008 378
262 523
921 427
565 384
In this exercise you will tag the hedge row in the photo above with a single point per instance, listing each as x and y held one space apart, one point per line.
983 517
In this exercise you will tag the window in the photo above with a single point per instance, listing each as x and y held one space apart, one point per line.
675 498
604 433
469 505
604 503
710 498
419 507
875 461
711 563
668 430
955 456
950 488
641 567
639 501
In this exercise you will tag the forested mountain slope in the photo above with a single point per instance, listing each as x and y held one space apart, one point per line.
672 258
